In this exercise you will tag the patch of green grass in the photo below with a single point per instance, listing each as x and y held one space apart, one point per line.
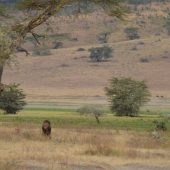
70 118
157 112
50 110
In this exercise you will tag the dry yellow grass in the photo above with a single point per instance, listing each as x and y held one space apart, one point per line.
72 149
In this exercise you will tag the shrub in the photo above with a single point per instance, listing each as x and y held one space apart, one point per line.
58 45
92 110
126 96
2 10
12 99
103 37
99 54
64 65
74 39
134 48
81 49
138 2
144 60
41 51
160 125
132 33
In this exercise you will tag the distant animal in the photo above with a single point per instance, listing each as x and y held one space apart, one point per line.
46 128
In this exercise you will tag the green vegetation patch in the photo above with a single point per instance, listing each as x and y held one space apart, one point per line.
70 118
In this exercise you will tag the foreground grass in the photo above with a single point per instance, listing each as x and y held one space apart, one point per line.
79 143
23 147
70 118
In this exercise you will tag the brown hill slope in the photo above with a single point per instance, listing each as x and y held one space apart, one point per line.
69 73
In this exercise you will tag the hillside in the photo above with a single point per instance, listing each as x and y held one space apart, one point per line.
68 73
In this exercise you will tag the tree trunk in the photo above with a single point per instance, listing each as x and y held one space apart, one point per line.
97 119
1 72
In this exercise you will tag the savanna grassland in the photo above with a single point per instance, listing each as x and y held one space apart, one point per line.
79 143
58 83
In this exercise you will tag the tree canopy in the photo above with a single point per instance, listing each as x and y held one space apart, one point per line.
126 96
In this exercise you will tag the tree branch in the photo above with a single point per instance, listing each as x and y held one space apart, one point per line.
53 7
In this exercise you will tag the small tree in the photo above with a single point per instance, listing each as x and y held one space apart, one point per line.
99 54
132 33
92 110
103 37
126 96
2 10
58 45
12 99
160 125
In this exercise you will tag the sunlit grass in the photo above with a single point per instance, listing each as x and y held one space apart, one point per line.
70 118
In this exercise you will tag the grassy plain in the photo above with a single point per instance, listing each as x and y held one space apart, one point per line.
79 143
70 118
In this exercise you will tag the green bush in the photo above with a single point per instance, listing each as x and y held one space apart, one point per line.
99 54
81 49
12 99
144 60
58 45
160 125
92 110
126 96
139 2
132 33
2 10
103 37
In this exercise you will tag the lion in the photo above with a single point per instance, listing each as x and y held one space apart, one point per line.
46 128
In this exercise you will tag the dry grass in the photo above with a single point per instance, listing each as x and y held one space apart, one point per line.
73 148
46 79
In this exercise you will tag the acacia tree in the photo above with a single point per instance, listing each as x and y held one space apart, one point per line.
126 96
92 110
43 10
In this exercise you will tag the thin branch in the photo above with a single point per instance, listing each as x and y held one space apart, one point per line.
35 37
52 8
